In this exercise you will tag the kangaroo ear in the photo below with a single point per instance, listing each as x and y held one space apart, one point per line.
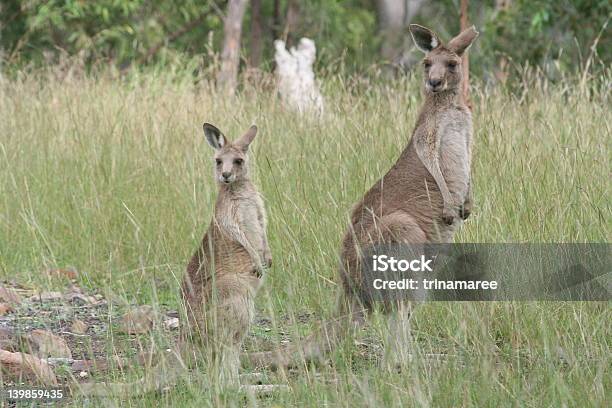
463 41
425 39
214 136
246 139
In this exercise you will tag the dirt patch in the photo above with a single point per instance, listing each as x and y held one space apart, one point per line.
94 329
91 341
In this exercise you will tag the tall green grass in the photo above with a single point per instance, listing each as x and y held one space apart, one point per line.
115 178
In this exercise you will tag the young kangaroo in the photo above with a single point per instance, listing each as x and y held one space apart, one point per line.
420 200
227 270
222 277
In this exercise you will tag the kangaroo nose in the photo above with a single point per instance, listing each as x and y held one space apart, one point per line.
226 174
434 83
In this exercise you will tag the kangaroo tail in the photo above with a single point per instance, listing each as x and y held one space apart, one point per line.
314 347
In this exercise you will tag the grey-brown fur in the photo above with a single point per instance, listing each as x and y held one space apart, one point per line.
222 277
421 199
226 271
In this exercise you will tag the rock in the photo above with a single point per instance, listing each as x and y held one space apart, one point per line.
172 313
22 365
147 357
5 308
69 273
99 365
53 361
138 320
79 298
46 297
171 323
82 365
79 327
83 374
75 288
8 339
9 295
46 344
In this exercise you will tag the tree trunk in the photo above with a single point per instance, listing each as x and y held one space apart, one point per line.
227 78
465 86
393 18
256 34
276 20
502 5
291 21
501 72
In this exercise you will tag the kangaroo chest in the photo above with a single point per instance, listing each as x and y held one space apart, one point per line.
242 218
455 131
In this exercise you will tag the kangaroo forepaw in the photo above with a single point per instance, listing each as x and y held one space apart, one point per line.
448 215
258 271
465 210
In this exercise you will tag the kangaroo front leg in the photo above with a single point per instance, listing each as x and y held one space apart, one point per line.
236 233
267 253
466 208
428 149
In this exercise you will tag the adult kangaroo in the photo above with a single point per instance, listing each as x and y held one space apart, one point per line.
222 278
422 199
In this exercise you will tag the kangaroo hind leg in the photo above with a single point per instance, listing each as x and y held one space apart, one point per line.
400 228
232 318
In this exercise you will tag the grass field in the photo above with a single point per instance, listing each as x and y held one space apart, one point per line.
115 179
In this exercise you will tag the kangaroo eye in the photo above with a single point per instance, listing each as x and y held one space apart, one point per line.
218 161
238 162
452 65
427 64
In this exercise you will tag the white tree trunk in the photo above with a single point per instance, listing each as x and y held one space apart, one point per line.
296 82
